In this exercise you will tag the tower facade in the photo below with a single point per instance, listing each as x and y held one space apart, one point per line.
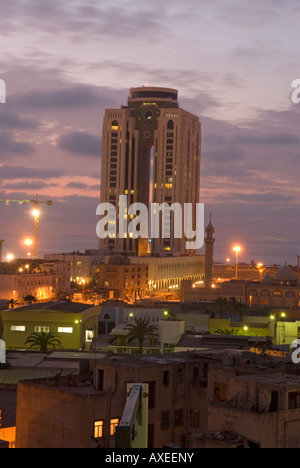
151 152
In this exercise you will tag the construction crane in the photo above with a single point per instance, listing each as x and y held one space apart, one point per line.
36 213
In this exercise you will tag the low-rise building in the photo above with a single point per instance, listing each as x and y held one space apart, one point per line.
41 279
64 318
280 291
210 398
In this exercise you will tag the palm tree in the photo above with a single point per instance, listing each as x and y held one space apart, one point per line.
13 302
43 341
30 299
241 309
140 329
222 303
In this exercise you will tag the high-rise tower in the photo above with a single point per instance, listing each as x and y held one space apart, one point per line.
151 152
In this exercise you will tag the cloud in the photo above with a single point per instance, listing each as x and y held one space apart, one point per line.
82 186
9 145
21 172
81 143
11 120
73 97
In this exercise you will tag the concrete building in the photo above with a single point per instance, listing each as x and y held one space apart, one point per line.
210 398
122 277
253 406
151 152
279 292
63 318
82 264
42 279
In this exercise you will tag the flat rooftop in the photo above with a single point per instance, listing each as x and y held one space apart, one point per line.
61 306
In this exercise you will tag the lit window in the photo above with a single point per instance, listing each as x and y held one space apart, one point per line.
41 329
20 328
89 335
220 392
98 429
65 330
113 424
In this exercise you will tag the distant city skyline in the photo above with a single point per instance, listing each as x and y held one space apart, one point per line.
233 65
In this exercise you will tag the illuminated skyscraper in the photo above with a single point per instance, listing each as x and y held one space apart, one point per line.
151 152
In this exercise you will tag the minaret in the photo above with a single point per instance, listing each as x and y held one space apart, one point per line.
209 253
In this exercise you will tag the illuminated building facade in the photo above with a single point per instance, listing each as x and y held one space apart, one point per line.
43 280
151 152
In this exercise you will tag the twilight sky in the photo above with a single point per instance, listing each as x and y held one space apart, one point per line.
233 63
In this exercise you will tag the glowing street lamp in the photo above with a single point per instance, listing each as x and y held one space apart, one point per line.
28 243
236 249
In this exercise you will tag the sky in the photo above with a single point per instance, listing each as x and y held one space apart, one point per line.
233 64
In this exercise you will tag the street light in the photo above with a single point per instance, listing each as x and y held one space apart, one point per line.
236 249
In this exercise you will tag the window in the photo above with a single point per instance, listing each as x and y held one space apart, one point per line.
220 392
274 402
41 329
179 417
294 400
166 378
194 418
19 328
113 424
165 419
89 335
65 330
98 429
151 396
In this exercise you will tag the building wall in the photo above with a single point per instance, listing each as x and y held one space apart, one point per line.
53 281
273 296
169 395
53 422
82 266
167 273
39 318
250 413
150 126
46 417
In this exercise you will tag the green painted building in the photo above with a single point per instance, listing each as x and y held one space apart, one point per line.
64 318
